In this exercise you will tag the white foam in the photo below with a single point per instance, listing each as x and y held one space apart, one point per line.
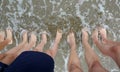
31 8
117 2
82 1
78 13
106 14
103 2
11 1
114 70
45 7
101 7
62 12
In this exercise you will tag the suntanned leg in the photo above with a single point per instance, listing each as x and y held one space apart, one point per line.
8 40
91 57
106 46
42 43
52 51
74 62
11 54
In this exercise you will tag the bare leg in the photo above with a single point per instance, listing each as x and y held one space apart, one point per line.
91 57
10 55
8 40
74 62
52 52
107 47
43 42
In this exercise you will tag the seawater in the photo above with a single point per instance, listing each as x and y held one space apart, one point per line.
49 15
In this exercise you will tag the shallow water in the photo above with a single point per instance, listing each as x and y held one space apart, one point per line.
40 15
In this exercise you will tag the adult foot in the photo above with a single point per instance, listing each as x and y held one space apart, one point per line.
2 36
24 34
105 49
84 35
103 34
58 36
33 40
9 35
71 40
44 37
95 36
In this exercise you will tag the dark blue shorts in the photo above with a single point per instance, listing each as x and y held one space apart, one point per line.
31 61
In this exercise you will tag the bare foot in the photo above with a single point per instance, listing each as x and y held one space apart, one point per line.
44 37
58 36
2 36
42 43
53 51
103 47
71 40
33 40
103 34
84 34
9 35
24 34
95 35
